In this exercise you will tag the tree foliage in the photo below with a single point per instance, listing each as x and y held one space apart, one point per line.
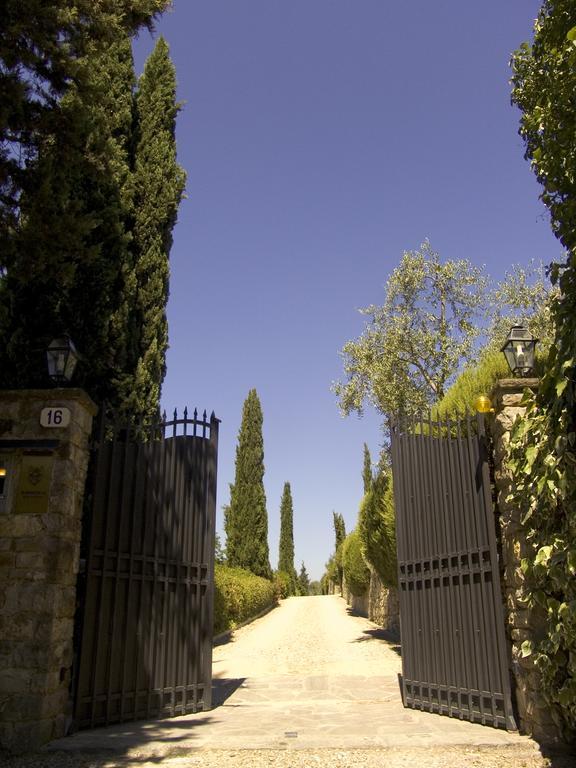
542 453
43 51
158 182
286 544
377 528
434 317
89 252
339 536
246 520
417 338
367 469
356 572
303 580
69 268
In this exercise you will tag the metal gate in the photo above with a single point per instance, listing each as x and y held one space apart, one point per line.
454 653
147 610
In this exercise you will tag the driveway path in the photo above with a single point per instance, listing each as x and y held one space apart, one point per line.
307 685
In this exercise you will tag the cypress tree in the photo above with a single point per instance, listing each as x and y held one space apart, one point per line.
43 53
70 267
339 535
158 186
91 256
303 580
286 546
339 529
246 520
367 470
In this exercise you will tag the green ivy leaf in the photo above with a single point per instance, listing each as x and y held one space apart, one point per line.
561 386
526 648
571 35
543 555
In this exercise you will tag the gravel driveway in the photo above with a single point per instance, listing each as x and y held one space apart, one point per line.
307 685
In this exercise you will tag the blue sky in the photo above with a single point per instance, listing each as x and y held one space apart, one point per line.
322 138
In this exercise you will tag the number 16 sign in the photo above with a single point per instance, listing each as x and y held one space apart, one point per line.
55 417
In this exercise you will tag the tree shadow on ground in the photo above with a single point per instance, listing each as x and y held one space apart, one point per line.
391 638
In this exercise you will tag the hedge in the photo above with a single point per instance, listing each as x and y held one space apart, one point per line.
239 596
377 531
356 572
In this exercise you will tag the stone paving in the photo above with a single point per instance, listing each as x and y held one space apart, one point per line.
341 707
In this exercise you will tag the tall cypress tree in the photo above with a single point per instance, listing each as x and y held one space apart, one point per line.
246 521
303 580
367 470
70 267
158 186
286 546
91 255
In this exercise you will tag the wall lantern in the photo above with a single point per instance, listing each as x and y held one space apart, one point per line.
62 357
520 350
482 404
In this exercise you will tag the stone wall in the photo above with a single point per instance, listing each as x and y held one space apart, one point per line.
379 603
41 495
522 623
383 607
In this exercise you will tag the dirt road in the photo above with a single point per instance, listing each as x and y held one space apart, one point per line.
308 636
307 685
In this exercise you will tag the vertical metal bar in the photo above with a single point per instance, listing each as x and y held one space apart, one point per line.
210 544
156 629
143 626
496 590
482 631
103 509
465 574
449 636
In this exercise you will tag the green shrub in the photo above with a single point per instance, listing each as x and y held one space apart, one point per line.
356 572
239 596
283 585
377 531
476 380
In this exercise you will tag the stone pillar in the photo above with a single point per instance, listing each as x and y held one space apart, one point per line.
523 623
43 460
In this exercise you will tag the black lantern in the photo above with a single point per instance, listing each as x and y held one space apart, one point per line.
520 350
62 358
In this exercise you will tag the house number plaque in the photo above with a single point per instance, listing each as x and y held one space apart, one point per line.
54 417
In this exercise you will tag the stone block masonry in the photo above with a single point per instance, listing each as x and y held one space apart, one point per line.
523 622
42 479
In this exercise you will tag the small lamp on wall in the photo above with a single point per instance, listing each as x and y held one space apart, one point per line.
483 404
61 357
520 351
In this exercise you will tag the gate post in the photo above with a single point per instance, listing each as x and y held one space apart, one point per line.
43 461
523 623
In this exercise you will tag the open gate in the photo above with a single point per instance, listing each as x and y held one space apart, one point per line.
454 653
147 610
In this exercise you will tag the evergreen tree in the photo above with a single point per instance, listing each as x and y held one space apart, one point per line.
158 186
91 255
70 268
340 535
303 580
246 520
286 547
43 52
339 528
367 470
